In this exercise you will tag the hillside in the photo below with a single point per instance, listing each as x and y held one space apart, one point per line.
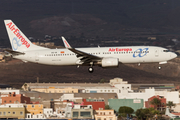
42 17
94 21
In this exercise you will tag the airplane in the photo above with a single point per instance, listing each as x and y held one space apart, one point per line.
105 57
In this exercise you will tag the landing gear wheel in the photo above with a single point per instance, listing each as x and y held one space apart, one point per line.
159 68
90 69
139 64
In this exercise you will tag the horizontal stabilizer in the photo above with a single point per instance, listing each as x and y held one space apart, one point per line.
13 52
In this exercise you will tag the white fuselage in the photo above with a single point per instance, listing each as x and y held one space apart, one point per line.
127 54
23 49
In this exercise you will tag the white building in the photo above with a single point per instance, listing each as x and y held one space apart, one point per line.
12 106
48 112
116 85
9 90
170 96
69 97
77 111
171 115
36 116
125 92
68 110
60 113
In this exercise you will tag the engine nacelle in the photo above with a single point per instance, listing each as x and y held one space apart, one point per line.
110 62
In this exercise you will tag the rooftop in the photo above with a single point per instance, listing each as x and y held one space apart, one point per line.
65 85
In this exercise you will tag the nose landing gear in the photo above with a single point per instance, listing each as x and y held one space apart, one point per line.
159 68
90 69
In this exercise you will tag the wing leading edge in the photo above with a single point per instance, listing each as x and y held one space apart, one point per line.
85 58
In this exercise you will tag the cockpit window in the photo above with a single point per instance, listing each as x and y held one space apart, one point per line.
165 50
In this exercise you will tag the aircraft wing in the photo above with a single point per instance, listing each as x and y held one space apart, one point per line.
85 57
83 54
13 52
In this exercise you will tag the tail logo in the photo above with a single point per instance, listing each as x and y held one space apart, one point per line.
16 43
140 52
19 39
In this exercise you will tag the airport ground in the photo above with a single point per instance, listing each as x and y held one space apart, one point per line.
16 73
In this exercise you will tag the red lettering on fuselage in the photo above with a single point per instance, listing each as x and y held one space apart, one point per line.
120 49
18 34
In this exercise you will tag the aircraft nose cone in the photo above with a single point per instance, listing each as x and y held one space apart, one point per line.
173 55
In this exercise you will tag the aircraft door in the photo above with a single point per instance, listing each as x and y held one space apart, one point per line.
36 56
156 52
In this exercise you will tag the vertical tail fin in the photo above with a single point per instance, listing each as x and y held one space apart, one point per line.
18 40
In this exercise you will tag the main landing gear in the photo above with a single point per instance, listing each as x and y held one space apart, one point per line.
90 69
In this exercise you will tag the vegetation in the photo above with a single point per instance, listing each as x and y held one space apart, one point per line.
170 104
25 86
124 111
107 107
146 113
102 81
156 102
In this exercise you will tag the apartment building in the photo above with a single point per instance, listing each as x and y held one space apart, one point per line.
34 109
9 90
161 107
97 104
14 98
105 115
82 112
12 111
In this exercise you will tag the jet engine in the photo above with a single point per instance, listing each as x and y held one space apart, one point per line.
110 62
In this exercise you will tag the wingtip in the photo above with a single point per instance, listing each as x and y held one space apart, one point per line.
63 38
66 44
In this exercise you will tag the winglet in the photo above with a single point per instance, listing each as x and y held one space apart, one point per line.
66 44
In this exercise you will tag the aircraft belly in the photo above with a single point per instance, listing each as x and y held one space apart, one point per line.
57 61
24 58
48 60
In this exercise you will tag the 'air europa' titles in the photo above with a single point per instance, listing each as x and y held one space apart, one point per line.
119 49
18 35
